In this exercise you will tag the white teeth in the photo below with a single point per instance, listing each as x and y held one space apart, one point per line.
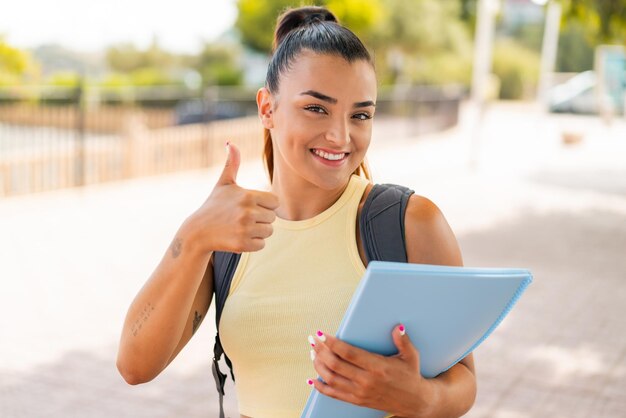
328 156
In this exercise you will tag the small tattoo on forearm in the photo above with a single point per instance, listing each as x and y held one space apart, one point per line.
196 322
176 246
143 317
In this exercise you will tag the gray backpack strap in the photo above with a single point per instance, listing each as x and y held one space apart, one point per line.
224 266
382 223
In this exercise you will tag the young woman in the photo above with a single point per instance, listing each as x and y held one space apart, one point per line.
302 256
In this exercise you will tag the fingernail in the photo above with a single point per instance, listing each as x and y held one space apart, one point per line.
312 355
402 330
321 336
309 382
311 341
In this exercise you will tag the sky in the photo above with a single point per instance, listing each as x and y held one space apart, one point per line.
180 26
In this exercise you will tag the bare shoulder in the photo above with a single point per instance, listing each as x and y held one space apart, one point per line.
429 238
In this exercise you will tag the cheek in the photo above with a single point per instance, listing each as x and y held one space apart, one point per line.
362 136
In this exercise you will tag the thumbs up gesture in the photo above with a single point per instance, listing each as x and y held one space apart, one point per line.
232 218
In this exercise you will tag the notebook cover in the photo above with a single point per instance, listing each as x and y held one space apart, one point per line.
447 312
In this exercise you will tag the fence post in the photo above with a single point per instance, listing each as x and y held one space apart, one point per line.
210 99
80 154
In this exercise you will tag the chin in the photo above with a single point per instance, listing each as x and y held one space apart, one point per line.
330 181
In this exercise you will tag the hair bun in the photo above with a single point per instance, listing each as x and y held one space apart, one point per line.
294 18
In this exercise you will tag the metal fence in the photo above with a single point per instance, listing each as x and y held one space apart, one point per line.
53 137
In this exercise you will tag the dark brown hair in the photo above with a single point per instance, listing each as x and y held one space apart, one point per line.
316 29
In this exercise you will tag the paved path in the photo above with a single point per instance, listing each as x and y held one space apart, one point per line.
71 261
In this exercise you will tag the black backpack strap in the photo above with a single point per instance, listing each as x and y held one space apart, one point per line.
382 223
224 266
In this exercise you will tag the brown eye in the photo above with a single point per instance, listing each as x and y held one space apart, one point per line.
316 109
362 116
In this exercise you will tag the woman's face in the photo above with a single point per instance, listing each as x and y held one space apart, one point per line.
321 118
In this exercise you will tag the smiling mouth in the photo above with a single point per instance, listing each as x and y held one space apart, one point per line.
330 156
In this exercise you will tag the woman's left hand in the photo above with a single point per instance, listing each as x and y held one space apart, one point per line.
393 384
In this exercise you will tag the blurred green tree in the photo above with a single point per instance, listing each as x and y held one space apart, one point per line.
15 64
607 17
256 21
576 48
12 60
517 69
218 64
430 42
126 58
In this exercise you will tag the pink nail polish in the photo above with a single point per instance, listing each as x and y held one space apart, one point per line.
402 330
309 382
321 336
311 341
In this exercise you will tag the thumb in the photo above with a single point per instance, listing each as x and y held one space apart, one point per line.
233 159
406 349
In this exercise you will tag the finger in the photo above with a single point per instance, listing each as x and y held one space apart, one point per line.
265 216
262 231
267 200
333 392
357 356
406 349
328 360
330 377
231 167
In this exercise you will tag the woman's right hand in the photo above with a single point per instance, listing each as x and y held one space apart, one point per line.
232 218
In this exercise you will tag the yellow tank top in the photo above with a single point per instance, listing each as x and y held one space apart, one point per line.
300 282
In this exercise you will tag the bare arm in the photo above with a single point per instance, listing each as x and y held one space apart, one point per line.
430 240
164 314
171 305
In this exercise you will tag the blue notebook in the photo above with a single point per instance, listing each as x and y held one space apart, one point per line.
447 312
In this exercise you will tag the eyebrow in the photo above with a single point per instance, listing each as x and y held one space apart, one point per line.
332 100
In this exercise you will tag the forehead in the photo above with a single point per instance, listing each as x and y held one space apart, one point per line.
329 74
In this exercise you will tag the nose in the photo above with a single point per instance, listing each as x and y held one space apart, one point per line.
338 132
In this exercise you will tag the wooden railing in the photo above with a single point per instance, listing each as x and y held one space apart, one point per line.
138 151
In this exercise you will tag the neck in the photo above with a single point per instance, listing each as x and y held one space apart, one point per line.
300 199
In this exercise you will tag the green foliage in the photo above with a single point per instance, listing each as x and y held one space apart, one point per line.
529 35
218 65
361 16
256 21
64 79
575 53
7 79
435 43
12 60
62 88
423 26
115 89
16 66
126 58
150 76
606 17
516 67
443 68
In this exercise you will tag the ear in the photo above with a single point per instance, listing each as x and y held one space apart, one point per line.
265 105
